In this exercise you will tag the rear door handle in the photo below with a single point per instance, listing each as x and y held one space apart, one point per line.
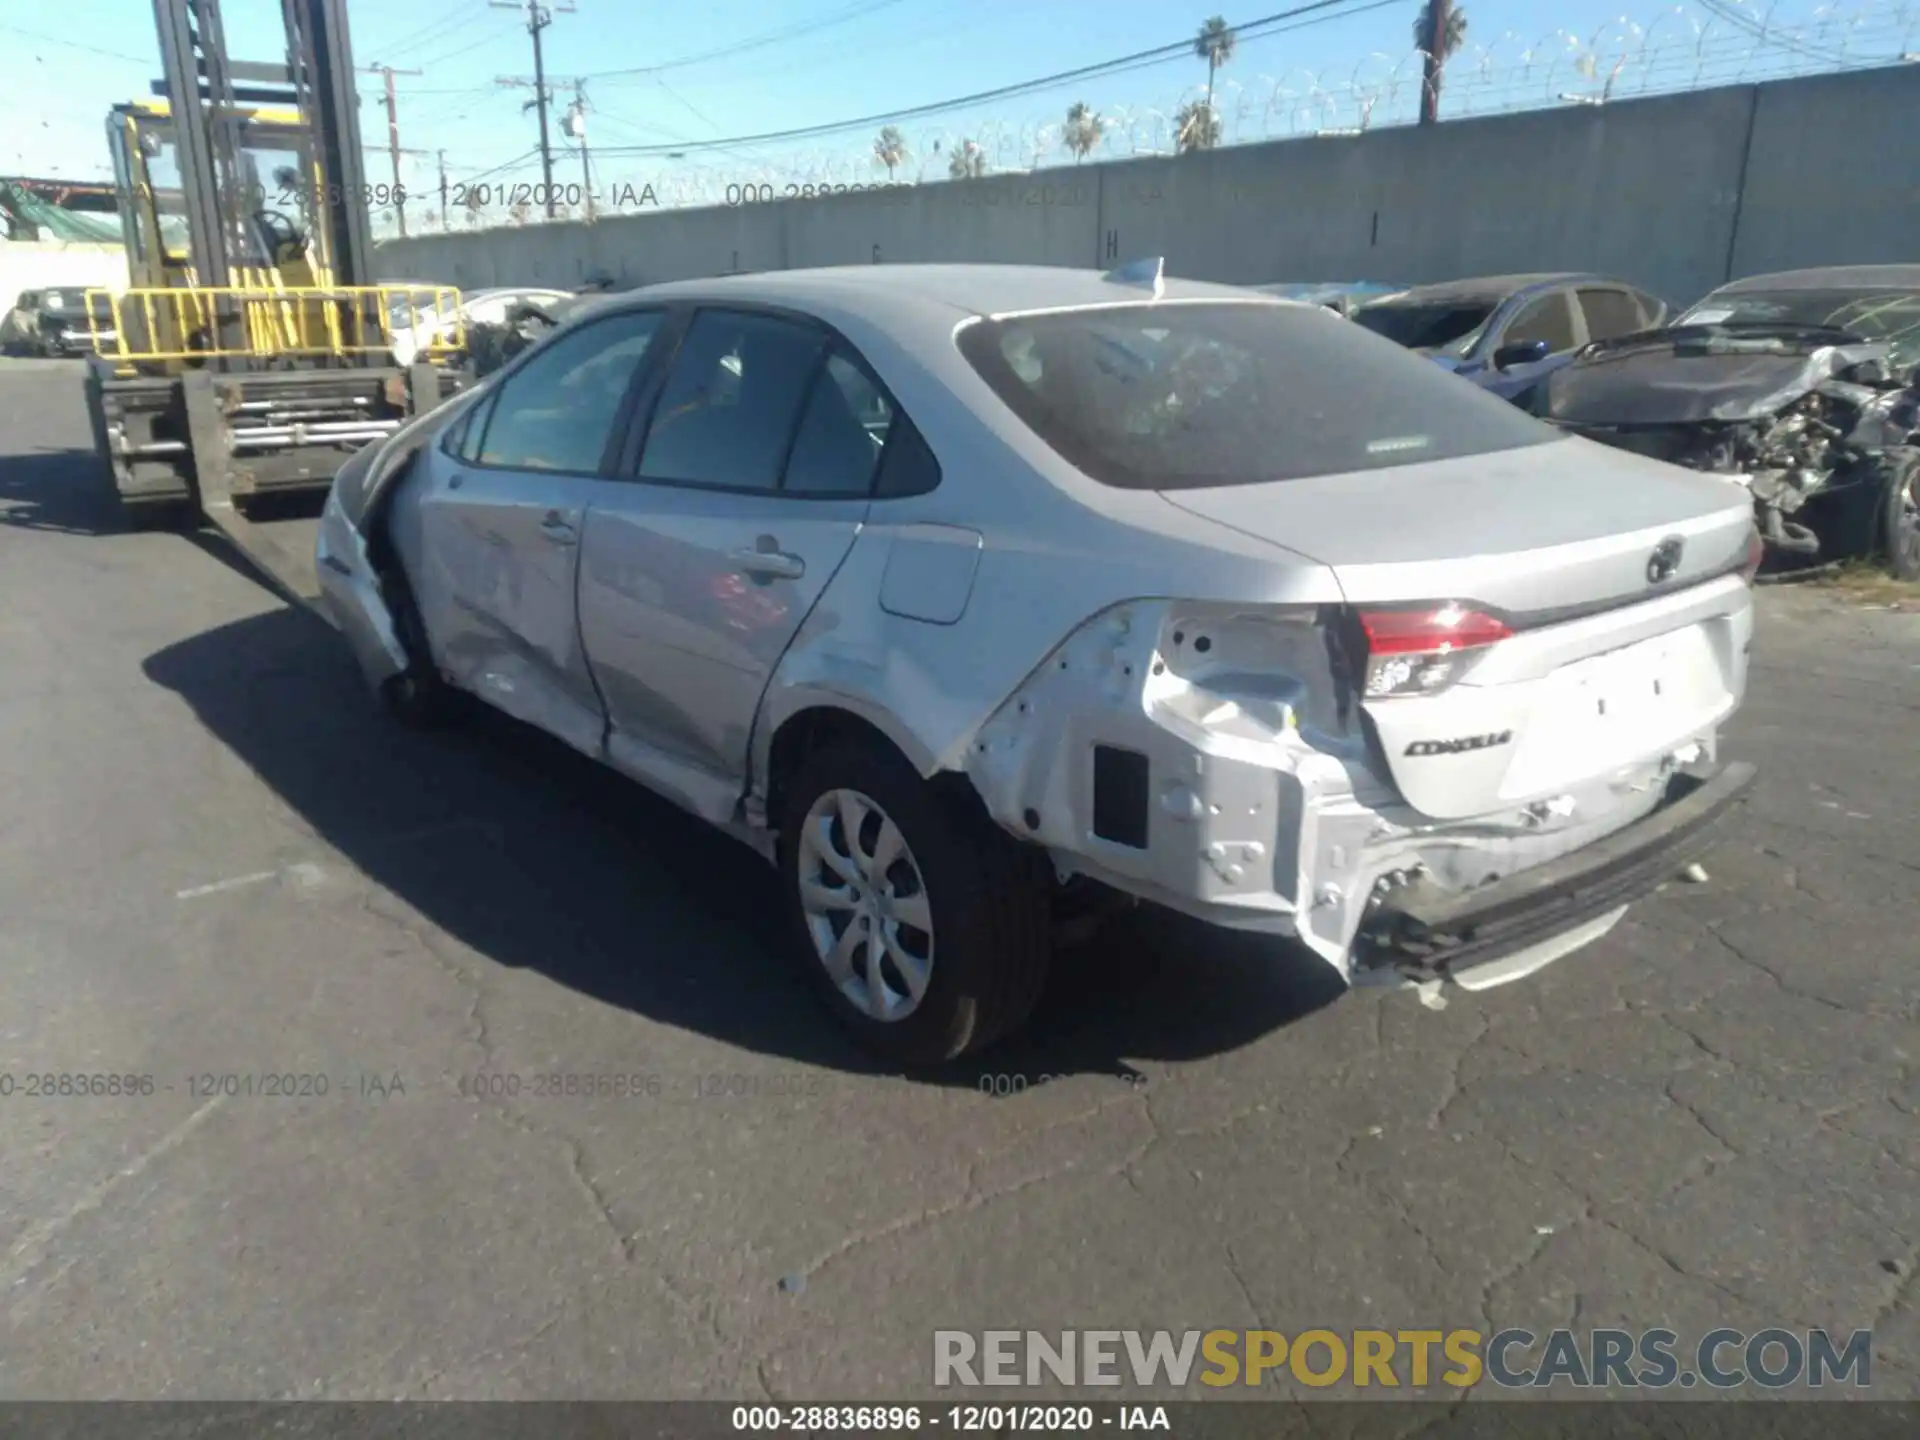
775 564
557 529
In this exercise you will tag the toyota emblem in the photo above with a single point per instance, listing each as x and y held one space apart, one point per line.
1665 559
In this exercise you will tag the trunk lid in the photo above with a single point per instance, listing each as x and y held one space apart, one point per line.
1608 667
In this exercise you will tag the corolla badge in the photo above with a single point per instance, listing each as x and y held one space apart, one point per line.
1665 560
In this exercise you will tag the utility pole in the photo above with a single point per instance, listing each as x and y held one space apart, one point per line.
575 124
538 18
394 150
442 156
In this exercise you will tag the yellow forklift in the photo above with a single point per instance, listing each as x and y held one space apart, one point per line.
253 351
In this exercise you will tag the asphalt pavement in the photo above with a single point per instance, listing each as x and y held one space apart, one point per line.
218 859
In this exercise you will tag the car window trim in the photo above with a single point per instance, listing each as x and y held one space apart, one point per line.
609 452
628 470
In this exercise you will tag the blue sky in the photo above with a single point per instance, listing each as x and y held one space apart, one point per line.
66 65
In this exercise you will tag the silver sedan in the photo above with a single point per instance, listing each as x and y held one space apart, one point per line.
975 596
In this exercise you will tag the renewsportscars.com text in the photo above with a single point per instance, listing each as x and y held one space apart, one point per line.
1512 1359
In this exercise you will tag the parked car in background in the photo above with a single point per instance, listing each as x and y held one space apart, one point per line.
1340 296
1805 386
1507 333
52 323
969 595
413 331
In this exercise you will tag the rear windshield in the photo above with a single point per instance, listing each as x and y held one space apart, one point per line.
1188 396
1451 325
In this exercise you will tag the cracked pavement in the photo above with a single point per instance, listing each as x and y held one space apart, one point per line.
219 860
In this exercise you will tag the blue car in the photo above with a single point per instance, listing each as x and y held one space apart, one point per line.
1507 333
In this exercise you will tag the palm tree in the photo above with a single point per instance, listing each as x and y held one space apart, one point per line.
1438 31
1084 132
890 149
1196 127
1214 44
969 162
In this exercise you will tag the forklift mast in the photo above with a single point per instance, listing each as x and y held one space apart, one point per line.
207 93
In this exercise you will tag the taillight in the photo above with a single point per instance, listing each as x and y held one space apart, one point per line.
1420 651
1756 552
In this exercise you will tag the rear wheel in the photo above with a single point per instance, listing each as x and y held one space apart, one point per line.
1900 516
922 923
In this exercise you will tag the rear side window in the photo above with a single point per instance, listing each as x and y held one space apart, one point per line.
842 431
732 401
1187 396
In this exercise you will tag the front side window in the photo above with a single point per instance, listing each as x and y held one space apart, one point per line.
731 401
1185 396
1549 319
557 412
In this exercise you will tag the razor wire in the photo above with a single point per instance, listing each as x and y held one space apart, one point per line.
1683 46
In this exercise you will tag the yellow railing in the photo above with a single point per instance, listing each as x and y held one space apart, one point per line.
270 322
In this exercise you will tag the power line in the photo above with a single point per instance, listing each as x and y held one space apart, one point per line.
74 45
753 42
435 30
1140 60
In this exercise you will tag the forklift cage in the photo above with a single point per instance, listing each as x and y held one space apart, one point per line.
339 322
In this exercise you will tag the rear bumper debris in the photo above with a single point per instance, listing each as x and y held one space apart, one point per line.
1512 926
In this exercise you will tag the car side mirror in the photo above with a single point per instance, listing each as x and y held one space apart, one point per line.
1524 352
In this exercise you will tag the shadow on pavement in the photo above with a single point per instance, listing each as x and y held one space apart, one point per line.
535 857
65 491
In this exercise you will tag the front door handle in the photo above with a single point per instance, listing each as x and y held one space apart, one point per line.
773 564
556 529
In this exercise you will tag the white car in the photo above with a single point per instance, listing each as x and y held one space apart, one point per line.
413 328
959 592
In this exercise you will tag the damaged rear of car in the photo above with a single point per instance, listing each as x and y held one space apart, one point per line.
1091 590
1499 728
1803 387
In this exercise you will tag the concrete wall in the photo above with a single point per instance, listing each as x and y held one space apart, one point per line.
1677 193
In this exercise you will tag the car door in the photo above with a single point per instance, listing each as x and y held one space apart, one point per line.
499 520
744 495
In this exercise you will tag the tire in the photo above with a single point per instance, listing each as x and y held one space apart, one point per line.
417 697
987 898
1898 513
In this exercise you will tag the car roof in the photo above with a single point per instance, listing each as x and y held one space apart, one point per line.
1830 277
1489 289
959 290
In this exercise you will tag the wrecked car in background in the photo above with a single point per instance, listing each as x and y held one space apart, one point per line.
1802 386
977 597
1507 333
